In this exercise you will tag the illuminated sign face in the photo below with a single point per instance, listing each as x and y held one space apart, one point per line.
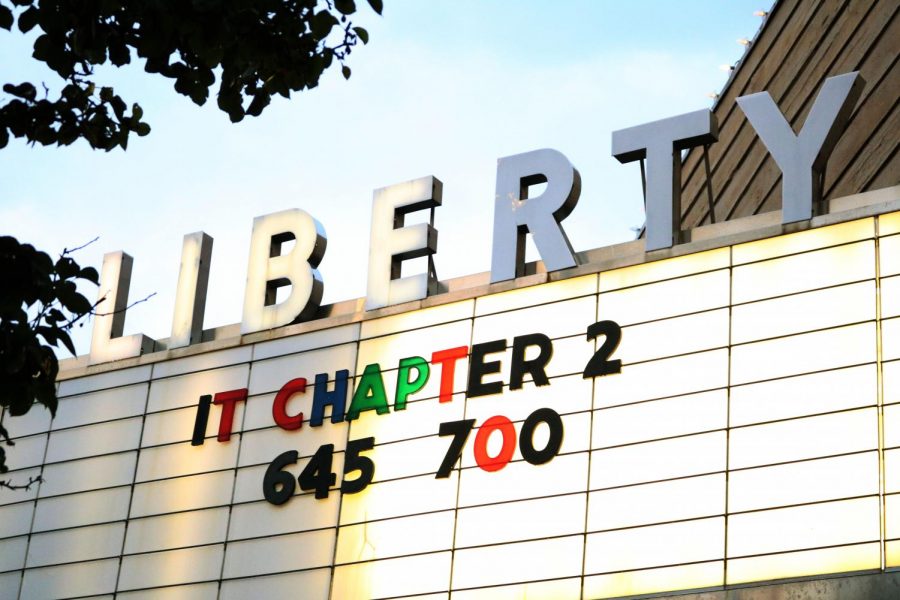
801 157
412 375
721 418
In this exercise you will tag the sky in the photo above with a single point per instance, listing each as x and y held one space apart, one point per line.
444 88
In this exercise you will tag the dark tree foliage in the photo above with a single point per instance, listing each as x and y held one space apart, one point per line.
39 305
257 48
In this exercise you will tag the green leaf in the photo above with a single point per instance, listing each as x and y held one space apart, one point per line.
6 18
55 316
43 48
377 5
260 102
345 71
73 301
45 394
25 91
230 102
90 274
119 54
17 409
362 33
50 334
345 7
49 399
118 106
321 23
67 342
66 268
28 19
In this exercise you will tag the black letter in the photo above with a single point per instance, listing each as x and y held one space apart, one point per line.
478 369
201 420
535 366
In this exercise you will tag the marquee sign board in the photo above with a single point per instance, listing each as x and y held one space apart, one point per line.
412 374
745 428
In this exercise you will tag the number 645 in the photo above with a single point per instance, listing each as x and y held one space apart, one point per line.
279 485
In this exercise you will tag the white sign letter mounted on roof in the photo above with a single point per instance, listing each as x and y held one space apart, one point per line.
107 341
661 143
391 242
515 214
269 269
190 295
802 157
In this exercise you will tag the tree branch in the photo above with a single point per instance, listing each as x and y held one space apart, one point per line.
77 248
135 303
25 486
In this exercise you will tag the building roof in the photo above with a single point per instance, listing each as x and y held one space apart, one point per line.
799 45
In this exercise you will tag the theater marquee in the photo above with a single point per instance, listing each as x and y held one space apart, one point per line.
727 416
685 412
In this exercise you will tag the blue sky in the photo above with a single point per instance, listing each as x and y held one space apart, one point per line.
444 88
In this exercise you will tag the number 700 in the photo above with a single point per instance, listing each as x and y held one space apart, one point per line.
460 431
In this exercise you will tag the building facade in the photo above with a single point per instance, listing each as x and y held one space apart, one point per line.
719 419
